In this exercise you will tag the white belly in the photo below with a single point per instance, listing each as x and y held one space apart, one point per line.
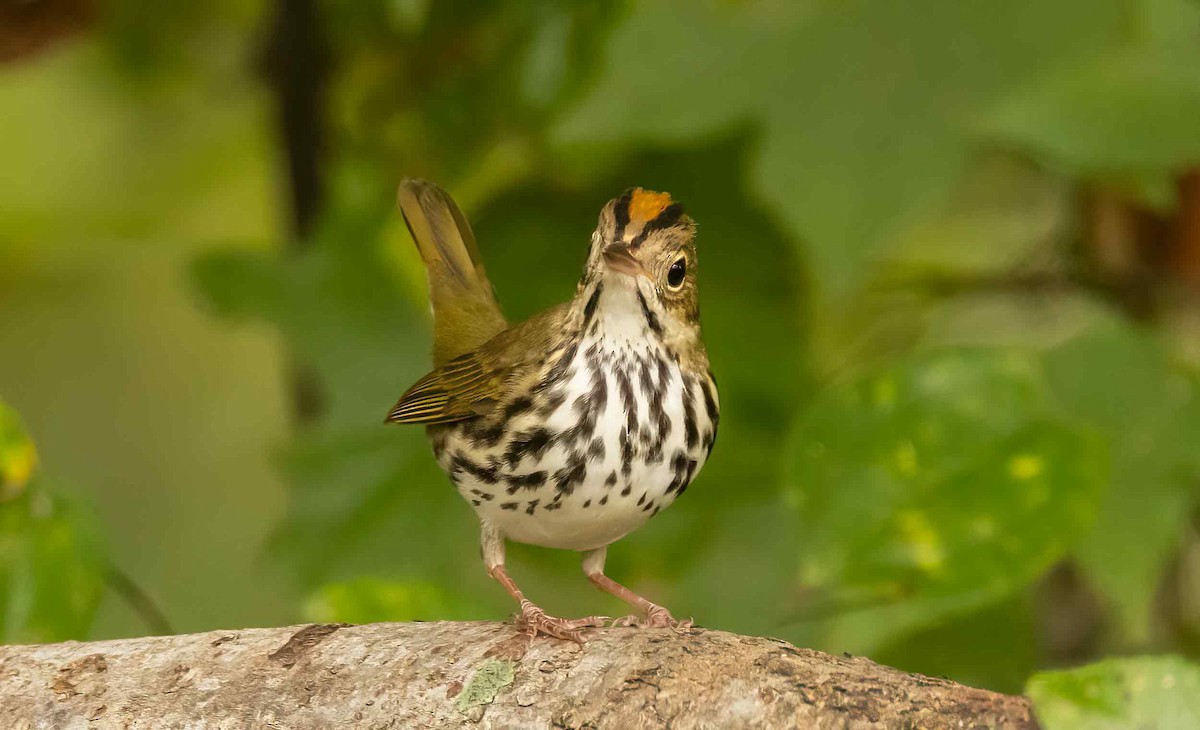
589 486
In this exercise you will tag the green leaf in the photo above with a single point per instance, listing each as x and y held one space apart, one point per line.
944 477
368 600
339 305
51 576
51 570
18 457
1126 385
861 105
374 502
1149 693
1131 110
240 284
517 64
995 646
51 573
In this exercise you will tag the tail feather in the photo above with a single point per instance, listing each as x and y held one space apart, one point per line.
465 311
441 232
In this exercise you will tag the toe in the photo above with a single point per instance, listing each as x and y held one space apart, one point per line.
590 622
657 617
660 618
535 621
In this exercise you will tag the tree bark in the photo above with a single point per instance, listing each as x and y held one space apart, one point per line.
473 675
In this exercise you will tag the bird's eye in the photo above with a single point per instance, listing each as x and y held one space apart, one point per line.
676 273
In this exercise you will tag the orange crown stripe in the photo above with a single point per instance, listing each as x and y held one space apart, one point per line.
647 204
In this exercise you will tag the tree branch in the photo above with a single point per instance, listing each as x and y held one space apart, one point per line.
296 62
474 675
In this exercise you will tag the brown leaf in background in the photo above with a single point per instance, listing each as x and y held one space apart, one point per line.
1185 243
30 26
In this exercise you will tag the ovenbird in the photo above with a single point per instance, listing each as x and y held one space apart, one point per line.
571 429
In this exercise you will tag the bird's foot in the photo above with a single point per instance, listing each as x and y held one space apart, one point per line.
534 621
658 617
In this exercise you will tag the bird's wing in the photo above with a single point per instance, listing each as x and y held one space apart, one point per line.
462 388
472 384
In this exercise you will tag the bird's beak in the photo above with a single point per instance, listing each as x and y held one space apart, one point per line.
620 259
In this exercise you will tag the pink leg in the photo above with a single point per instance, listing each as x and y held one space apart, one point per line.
656 616
533 619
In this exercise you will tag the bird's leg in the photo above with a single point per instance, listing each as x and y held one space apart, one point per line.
533 619
656 616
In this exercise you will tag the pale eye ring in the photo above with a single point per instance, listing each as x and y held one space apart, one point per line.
677 273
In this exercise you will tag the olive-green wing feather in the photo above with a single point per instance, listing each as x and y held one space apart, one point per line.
462 388
472 384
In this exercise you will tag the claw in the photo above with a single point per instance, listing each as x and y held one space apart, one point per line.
657 617
535 621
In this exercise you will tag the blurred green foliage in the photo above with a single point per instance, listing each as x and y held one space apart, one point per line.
1147 692
912 437
51 568
364 600
944 476
1151 423
18 457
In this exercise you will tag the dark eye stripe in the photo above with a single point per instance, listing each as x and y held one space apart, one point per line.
621 214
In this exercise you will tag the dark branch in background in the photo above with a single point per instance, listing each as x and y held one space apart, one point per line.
1140 260
1135 295
28 27
296 64
1035 283
1156 255
1185 243
139 601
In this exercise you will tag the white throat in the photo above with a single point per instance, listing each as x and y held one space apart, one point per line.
620 314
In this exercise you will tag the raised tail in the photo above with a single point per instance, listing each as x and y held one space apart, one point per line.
465 311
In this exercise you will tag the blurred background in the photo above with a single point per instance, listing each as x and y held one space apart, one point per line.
950 256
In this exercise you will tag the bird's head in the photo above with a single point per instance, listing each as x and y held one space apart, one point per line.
644 247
